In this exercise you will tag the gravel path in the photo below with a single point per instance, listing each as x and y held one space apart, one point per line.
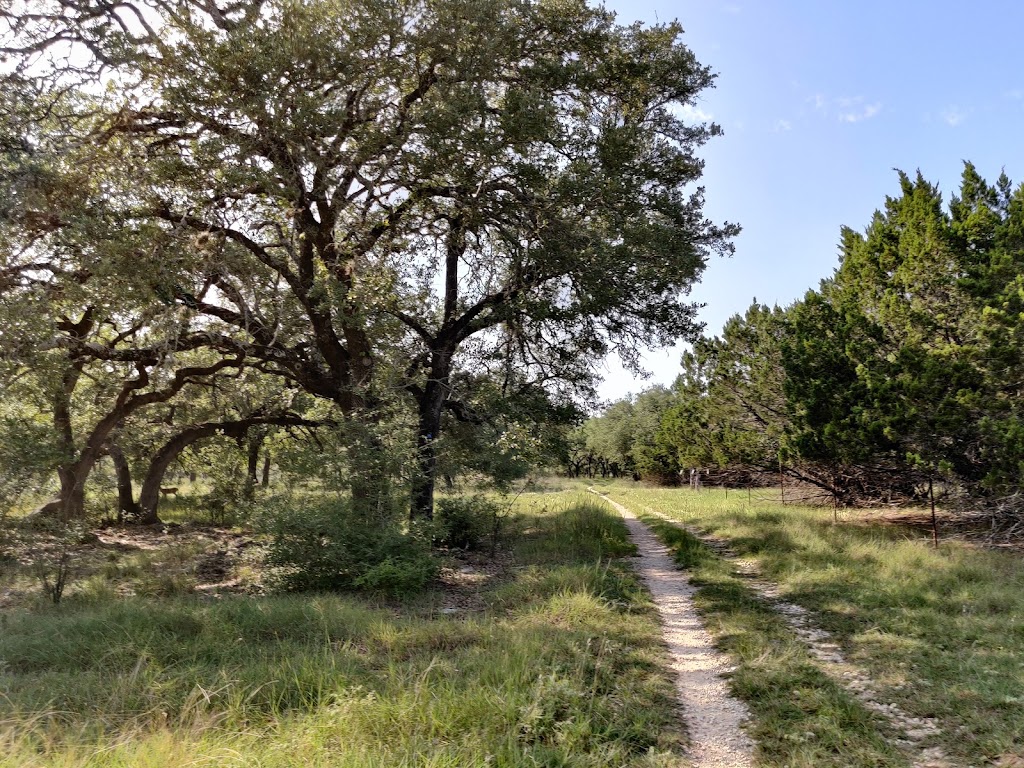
713 718
915 732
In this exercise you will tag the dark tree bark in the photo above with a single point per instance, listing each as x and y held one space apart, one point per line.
126 504
253 443
431 404
265 479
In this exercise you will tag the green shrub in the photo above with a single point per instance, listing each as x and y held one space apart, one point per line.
227 499
399 576
326 546
467 522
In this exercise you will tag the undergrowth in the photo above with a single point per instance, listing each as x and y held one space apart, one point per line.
564 669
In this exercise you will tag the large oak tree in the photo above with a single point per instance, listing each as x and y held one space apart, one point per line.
368 196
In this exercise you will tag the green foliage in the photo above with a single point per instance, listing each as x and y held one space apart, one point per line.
467 522
222 464
902 368
405 571
28 450
625 440
329 545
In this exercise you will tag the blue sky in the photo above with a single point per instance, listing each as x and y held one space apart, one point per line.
820 102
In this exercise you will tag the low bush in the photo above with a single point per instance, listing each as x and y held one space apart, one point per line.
467 522
326 546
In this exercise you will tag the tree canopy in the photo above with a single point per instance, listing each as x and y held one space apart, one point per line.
386 205
902 368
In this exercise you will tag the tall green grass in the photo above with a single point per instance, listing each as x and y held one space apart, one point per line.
566 668
942 631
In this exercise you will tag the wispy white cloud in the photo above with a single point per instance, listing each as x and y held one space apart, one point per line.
693 114
953 116
845 109
1015 94
732 9
856 112
782 125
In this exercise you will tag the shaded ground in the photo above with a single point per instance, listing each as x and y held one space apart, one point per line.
464 580
187 558
127 560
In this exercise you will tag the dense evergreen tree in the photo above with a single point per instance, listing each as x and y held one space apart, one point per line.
903 368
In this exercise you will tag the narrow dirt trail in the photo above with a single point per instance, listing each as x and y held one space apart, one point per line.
914 732
712 716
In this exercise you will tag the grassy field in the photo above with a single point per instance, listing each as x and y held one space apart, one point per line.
563 667
556 661
942 631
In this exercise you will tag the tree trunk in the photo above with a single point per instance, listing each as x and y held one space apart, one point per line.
252 453
69 504
430 405
126 505
265 479
430 400
370 479
70 501
149 497
935 520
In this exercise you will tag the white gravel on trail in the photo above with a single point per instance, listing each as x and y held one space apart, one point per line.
916 732
712 716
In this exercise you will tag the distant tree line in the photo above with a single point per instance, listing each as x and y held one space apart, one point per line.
901 373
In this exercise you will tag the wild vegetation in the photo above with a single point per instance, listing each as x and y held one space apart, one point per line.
896 380
557 660
294 297
269 273
939 630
